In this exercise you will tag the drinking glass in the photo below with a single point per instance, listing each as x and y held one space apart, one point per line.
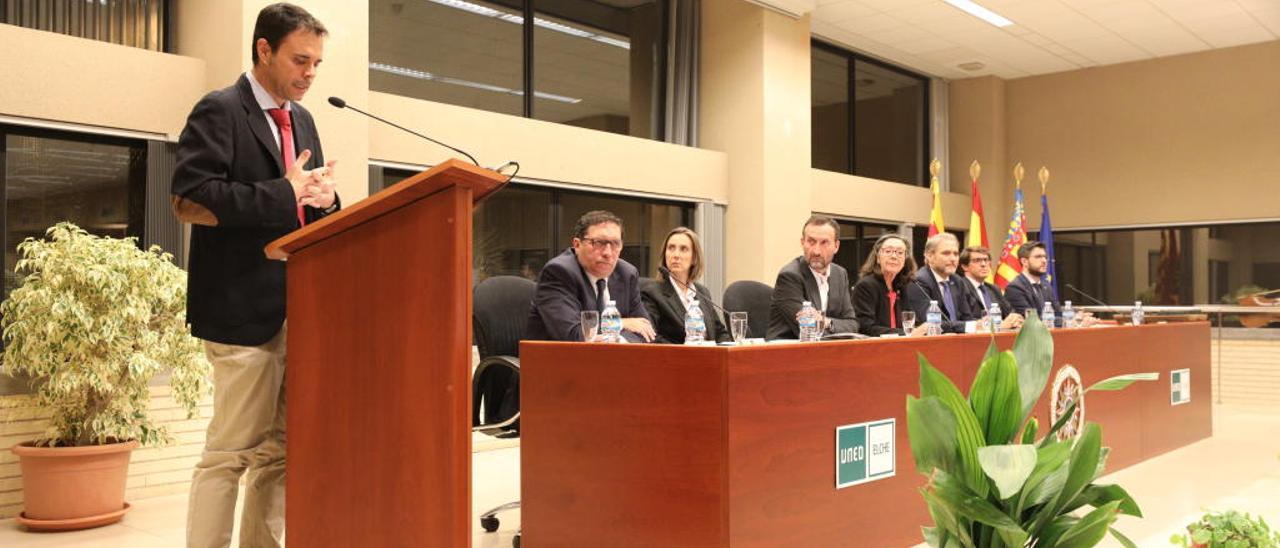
738 326
908 321
590 325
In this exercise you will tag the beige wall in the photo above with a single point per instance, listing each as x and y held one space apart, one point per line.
54 77
875 200
546 150
1189 138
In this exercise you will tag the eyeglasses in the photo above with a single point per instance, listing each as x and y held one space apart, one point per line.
980 261
893 252
600 245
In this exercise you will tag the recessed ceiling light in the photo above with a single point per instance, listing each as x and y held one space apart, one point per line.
972 66
972 8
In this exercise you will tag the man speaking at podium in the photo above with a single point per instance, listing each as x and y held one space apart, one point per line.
250 170
584 277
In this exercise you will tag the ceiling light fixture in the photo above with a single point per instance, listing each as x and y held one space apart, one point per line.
972 8
486 11
423 75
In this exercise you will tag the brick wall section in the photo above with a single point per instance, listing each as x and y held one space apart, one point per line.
153 471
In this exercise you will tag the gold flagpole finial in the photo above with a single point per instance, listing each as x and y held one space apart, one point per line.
975 169
934 167
1044 178
1018 173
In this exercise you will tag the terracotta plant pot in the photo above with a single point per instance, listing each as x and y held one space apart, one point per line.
67 488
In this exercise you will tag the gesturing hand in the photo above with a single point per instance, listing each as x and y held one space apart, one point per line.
320 189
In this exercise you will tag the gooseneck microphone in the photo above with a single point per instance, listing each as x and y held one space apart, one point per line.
338 102
1091 298
703 296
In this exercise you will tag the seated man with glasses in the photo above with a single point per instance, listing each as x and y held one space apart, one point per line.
584 277
975 263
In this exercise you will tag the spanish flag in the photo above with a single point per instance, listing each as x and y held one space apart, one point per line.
936 225
977 221
1010 266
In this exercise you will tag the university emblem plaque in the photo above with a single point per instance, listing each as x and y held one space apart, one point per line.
1067 390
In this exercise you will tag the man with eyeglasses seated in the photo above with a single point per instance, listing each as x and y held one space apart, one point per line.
586 276
938 282
975 263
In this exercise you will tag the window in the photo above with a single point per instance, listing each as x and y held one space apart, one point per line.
1121 266
856 239
597 64
516 231
98 183
868 118
136 23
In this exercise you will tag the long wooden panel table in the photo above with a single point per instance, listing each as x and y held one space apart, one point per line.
647 445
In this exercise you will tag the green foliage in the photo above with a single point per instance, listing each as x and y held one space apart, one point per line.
94 320
1229 529
991 483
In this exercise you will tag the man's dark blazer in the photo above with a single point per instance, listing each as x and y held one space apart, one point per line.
1021 296
564 291
924 288
229 183
796 284
976 303
667 311
871 303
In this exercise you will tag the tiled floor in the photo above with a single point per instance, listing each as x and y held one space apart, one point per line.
1239 468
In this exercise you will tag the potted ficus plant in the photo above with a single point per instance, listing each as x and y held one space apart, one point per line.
92 322
991 481
1229 529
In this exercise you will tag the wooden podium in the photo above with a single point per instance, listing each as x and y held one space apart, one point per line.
378 376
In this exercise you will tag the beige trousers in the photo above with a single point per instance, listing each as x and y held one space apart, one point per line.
246 434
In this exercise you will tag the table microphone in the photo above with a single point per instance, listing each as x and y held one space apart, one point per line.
1091 298
338 102
666 272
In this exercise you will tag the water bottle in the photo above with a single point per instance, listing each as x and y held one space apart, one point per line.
933 318
1138 315
695 329
611 323
1068 314
1047 315
808 320
995 315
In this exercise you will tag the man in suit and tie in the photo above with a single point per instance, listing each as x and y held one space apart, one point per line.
1027 292
975 263
938 282
813 277
249 170
584 277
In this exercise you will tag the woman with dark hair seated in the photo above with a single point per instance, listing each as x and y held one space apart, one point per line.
668 296
880 296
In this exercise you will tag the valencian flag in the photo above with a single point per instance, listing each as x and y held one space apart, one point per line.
977 221
935 215
1010 266
1046 233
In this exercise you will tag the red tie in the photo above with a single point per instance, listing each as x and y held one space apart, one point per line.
281 117
893 314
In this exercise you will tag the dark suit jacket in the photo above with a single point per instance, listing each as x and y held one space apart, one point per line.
229 183
976 303
1021 296
667 311
871 303
564 291
796 284
924 288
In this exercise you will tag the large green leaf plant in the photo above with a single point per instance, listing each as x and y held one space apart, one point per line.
991 482
93 321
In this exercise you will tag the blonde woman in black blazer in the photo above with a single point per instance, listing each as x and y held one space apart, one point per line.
662 296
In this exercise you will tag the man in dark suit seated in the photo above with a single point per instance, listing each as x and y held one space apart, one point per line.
938 282
813 277
1026 292
584 277
975 263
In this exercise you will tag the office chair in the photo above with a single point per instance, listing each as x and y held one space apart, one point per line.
500 308
753 297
